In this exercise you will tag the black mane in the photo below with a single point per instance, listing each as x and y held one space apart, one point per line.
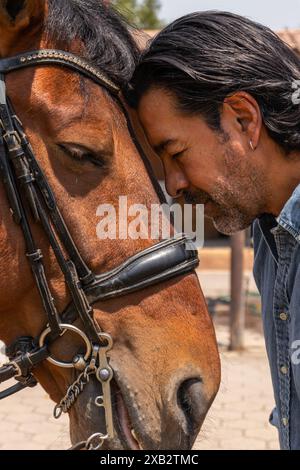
106 37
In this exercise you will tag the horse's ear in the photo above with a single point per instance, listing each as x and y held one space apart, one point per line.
17 16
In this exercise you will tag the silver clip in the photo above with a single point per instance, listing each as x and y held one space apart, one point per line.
104 374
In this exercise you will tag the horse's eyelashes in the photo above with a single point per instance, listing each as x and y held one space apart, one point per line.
82 154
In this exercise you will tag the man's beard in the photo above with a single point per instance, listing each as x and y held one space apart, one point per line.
236 201
228 218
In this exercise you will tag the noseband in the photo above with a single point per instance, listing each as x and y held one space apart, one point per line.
27 187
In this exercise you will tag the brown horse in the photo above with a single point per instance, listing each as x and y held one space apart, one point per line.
165 359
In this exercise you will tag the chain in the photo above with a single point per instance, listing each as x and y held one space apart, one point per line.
77 387
74 391
104 374
94 442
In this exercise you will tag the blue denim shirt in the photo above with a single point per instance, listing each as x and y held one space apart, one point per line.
277 275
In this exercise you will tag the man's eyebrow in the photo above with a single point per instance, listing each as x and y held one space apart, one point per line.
162 145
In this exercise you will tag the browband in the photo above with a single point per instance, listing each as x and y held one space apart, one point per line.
54 57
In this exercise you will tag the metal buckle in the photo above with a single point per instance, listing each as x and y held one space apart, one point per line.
11 134
17 367
15 135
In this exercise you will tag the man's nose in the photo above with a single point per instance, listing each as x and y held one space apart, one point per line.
176 182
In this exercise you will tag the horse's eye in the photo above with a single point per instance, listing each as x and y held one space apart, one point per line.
82 154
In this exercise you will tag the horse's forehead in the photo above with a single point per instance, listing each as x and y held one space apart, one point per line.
62 92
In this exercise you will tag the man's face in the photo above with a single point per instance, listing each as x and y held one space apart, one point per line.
217 169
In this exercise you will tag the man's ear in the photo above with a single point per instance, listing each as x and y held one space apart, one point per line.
246 113
17 17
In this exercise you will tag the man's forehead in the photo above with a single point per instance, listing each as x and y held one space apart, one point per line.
161 127
156 101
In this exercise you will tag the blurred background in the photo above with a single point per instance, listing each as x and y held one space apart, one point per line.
239 416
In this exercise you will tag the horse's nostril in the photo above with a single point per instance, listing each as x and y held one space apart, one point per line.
192 402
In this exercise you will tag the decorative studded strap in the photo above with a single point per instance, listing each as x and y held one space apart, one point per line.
55 57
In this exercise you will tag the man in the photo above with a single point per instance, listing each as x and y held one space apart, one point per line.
219 99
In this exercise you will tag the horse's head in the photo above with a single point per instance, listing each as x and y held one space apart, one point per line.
164 358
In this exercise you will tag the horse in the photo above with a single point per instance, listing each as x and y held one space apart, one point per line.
139 358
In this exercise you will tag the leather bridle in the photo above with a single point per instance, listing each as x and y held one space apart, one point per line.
27 187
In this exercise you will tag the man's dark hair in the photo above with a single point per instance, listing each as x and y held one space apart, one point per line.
204 57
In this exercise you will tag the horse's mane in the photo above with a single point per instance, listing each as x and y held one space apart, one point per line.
107 39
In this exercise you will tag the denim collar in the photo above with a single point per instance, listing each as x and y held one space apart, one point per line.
267 223
289 217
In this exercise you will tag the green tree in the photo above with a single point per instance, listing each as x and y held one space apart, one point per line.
148 14
143 14
128 8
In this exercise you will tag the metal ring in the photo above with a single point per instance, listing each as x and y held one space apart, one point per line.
109 340
73 328
57 412
94 437
99 401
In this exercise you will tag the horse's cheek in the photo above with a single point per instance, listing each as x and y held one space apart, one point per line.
13 265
